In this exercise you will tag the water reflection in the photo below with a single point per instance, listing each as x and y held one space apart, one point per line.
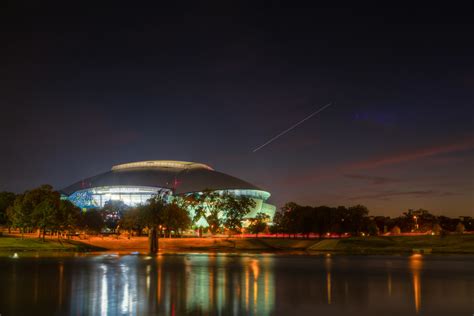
236 285
61 277
328 277
196 284
415 267
104 302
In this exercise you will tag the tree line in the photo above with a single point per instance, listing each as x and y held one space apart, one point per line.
40 209
294 220
43 210
218 213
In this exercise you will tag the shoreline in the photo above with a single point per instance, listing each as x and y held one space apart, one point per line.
383 245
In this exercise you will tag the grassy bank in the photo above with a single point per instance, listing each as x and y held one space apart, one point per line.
10 244
461 244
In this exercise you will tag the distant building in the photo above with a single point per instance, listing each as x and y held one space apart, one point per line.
136 182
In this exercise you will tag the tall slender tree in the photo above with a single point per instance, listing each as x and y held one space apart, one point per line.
153 217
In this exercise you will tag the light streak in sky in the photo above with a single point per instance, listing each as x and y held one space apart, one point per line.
292 127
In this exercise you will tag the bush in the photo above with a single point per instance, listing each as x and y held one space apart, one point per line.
460 228
437 229
395 230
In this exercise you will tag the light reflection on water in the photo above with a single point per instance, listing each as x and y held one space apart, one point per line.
415 267
226 284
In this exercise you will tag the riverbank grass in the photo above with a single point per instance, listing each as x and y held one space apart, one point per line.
451 244
33 244
462 244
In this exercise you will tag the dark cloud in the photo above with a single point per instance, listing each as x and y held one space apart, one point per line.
386 195
407 155
416 154
372 179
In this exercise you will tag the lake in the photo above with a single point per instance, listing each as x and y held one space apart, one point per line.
236 284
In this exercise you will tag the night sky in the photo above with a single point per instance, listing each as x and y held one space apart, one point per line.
82 89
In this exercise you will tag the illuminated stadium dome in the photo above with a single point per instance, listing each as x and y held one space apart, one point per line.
136 182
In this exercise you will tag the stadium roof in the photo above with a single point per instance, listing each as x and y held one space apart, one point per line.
180 176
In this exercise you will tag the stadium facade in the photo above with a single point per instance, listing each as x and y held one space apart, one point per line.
136 182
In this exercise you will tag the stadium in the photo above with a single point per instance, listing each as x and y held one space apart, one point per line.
136 182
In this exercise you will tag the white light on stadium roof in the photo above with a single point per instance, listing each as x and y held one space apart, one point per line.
162 164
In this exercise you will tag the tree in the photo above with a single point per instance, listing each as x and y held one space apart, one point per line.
290 218
372 228
468 223
356 218
382 223
6 200
259 223
91 221
234 209
112 211
446 223
45 215
35 208
206 205
153 217
175 217
425 220
69 216
338 225
305 220
45 203
278 223
132 220
19 214
323 219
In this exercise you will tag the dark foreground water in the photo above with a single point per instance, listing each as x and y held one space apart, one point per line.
227 284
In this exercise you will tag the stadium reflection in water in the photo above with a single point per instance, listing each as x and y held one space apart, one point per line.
228 284
195 284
